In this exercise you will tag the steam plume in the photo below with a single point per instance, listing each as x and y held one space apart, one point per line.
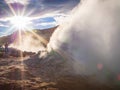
91 36
27 42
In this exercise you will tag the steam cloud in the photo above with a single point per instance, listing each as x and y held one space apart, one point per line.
91 36
28 42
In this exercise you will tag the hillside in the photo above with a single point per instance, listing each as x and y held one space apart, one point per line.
45 33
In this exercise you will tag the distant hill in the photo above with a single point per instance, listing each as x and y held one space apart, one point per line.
44 34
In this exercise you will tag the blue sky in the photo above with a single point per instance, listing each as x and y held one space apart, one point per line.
43 11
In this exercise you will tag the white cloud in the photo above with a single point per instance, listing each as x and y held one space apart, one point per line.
3 25
47 23
24 2
60 18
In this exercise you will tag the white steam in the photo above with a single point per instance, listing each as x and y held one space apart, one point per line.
28 42
91 36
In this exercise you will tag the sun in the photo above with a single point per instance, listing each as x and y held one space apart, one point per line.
20 22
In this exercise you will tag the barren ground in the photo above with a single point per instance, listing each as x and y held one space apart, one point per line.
47 73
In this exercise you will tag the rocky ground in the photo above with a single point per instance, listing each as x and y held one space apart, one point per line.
45 71
14 75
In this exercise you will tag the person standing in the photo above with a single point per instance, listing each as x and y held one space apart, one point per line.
6 48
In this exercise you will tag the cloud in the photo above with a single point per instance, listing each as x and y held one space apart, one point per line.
23 2
42 7
60 18
37 9
43 22
91 36
45 25
3 25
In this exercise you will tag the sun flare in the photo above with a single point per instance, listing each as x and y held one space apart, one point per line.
20 22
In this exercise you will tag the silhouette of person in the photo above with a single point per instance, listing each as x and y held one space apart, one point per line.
6 48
